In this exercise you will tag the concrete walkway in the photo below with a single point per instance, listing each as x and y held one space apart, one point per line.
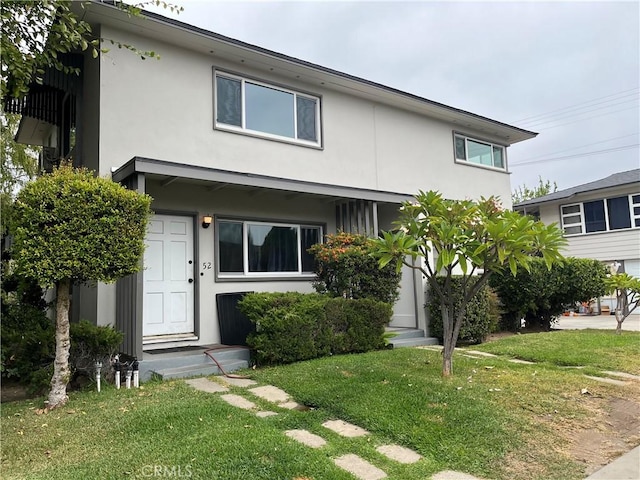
626 467
603 322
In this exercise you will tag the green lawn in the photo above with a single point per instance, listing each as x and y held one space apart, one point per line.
484 421
593 348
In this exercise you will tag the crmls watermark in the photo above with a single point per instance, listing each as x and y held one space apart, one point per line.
166 471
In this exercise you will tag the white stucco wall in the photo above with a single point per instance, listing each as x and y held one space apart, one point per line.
164 110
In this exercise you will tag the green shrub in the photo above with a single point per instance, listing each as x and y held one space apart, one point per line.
540 295
28 350
481 317
294 326
344 267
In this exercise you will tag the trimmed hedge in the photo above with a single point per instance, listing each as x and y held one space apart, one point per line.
482 315
293 326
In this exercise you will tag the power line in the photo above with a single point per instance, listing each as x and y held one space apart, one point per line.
586 154
591 117
548 113
566 115
580 146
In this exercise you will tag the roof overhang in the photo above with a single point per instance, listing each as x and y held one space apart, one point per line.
214 45
169 172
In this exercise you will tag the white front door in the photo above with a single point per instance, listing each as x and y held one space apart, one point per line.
404 310
168 276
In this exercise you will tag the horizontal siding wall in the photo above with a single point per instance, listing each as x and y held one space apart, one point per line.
621 245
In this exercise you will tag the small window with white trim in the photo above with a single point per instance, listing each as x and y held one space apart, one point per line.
261 249
479 152
258 108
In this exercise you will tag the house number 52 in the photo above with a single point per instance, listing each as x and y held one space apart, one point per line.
206 265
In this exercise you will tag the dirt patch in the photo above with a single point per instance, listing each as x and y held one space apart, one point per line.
12 392
613 430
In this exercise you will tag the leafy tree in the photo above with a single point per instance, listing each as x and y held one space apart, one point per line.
522 193
627 290
345 268
35 34
476 237
539 294
72 227
18 164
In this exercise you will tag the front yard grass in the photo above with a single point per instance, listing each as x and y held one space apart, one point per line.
493 419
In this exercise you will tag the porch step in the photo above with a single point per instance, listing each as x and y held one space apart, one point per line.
414 342
184 363
198 370
409 337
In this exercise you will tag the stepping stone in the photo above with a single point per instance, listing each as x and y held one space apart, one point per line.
307 438
292 406
345 429
265 413
482 354
206 385
399 454
271 394
523 362
622 375
237 382
359 467
610 381
470 356
238 401
451 475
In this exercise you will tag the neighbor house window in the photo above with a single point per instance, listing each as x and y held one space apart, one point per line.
249 106
602 215
250 248
479 152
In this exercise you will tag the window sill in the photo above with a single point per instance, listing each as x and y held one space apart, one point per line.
265 278
484 167
267 136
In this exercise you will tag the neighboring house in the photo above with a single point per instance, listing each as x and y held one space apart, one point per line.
601 220
251 156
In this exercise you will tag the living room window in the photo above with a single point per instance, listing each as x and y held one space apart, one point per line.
257 108
602 215
261 249
479 152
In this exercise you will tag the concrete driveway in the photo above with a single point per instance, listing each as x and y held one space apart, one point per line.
603 322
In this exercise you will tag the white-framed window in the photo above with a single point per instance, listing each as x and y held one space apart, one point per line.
635 212
479 152
601 215
257 108
248 248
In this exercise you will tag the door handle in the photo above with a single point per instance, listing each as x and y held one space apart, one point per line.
191 280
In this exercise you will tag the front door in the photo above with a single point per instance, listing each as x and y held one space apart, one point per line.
168 277
404 310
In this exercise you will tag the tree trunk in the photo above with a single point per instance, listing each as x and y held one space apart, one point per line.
619 319
61 372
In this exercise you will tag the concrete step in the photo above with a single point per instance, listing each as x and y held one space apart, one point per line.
191 357
198 370
413 342
400 333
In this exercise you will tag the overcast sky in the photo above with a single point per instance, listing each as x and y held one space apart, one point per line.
567 70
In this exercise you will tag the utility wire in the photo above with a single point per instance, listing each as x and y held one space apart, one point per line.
635 107
549 113
576 155
566 115
581 146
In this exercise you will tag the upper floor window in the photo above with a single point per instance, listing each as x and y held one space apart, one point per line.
479 152
258 108
601 215
251 248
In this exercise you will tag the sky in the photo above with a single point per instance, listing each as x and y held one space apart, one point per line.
569 71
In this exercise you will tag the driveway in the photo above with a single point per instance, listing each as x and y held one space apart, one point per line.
604 322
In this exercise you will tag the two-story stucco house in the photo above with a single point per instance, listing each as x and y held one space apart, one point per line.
600 219
251 156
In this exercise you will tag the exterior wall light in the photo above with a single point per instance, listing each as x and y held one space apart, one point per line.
206 221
